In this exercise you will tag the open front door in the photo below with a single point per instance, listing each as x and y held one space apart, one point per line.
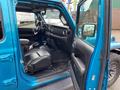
91 45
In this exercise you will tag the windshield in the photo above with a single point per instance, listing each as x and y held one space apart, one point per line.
54 17
49 16
26 19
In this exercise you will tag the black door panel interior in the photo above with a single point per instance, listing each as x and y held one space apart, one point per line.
80 65
80 59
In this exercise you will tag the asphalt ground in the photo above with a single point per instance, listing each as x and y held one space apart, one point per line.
116 85
67 84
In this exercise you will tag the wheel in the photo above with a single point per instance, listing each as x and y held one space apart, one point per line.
114 68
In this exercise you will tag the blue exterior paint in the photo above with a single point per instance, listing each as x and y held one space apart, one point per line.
113 44
94 69
13 77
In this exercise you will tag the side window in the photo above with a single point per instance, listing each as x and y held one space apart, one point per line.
1 29
88 18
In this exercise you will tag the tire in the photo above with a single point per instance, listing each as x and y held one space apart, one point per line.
114 68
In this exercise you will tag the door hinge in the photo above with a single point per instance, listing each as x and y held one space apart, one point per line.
11 81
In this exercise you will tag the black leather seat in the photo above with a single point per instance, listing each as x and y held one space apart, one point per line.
37 59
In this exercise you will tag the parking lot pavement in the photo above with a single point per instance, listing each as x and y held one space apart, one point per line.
116 85
66 84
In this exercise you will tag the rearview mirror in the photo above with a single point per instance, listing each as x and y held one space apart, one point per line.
88 30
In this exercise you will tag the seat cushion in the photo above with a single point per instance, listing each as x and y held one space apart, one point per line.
37 59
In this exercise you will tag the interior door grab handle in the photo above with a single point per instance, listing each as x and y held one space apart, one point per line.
78 62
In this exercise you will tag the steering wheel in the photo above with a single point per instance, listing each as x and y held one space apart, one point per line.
40 24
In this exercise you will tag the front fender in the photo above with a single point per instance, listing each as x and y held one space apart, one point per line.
114 45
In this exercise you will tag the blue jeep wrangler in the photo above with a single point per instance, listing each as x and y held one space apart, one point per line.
47 47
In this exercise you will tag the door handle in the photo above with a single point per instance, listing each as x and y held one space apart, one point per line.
6 58
78 62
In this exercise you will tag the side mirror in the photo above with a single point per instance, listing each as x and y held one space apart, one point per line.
88 30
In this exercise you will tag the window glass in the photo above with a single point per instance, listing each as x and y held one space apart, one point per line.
88 17
25 20
1 31
54 17
49 15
